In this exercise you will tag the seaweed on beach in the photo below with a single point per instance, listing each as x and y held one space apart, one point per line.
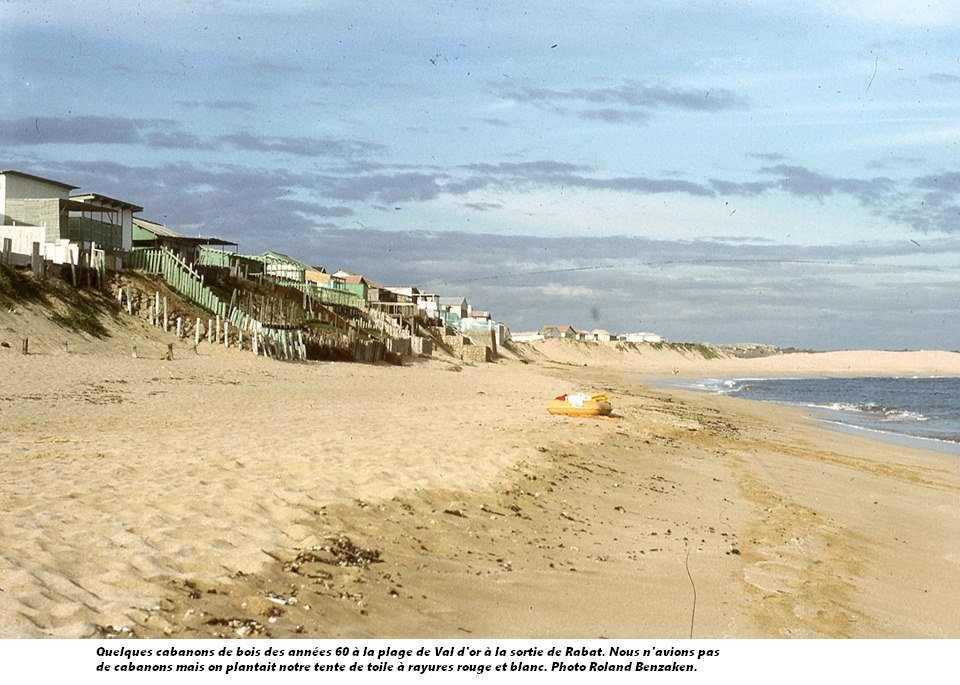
339 551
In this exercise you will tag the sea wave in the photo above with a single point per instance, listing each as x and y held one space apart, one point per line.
943 439
876 411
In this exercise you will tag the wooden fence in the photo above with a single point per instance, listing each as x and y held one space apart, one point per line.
181 277
274 328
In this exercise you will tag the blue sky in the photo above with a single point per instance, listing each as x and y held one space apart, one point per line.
724 171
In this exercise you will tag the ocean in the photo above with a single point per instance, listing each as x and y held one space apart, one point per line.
920 411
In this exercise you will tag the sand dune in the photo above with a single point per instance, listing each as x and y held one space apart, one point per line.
666 360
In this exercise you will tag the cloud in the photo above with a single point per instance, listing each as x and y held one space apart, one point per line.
538 168
164 134
386 188
803 182
927 204
555 290
937 208
944 78
896 160
98 130
744 189
614 116
630 101
178 140
556 174
767 156
241 105
633 94
80 130
390 187
304 147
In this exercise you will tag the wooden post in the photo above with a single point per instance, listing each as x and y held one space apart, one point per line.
35 259
179 327
66 348
196 334
226 334
166 320
129 300
93 264
255 344
133 351
120 296
25 346
7 249
217 330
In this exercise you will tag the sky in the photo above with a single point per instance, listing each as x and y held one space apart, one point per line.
753 171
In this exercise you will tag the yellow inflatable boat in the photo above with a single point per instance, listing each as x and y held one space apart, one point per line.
580 405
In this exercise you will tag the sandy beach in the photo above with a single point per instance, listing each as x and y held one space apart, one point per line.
224 495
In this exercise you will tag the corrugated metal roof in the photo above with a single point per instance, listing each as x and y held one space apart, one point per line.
154 227
282 258
165 232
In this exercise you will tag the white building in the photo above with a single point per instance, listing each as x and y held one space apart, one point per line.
28 200
641 338
40 210
103 213
601 335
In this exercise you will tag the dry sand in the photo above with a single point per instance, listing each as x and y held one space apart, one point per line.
224 495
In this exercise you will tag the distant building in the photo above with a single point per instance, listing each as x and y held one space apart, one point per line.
453 309
428 305
279 265
316 275
641 338
600 335
567 332
150 234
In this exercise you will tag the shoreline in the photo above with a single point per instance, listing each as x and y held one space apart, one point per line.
197 498
822 415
